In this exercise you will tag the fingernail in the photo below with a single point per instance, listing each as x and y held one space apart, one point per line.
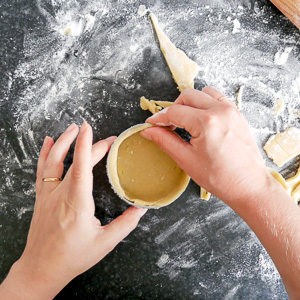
46 140
111 138
142 211
70 128
146 135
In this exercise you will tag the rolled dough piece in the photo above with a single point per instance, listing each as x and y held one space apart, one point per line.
291 185
295 180
284 146
296 193
281 180
183 69
141 173
204 194
153 106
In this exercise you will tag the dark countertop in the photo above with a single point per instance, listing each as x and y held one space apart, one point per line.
191 249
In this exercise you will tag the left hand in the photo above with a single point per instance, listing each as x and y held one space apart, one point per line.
65 238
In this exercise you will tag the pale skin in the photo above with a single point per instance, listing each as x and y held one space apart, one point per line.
222 157
65 238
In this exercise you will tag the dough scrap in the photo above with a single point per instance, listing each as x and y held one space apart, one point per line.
279 106
294 184
153 106
283 147
291 185
183 69
204 194
141 173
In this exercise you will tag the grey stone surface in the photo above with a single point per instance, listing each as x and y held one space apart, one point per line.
192 249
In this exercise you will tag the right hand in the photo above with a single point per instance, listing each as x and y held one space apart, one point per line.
222 155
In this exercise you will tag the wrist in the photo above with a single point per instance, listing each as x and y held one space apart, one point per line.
265 196
257 192
27 282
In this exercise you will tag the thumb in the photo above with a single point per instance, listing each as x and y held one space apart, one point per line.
170 142
120 227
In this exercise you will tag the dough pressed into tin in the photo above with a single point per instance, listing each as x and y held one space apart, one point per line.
143 174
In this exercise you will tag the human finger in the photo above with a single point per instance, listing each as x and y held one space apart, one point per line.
120 227
196 99
54 166
47 145
100 149
181 116
214 93
170 142
81 173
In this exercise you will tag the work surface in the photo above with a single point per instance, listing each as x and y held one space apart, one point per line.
192 249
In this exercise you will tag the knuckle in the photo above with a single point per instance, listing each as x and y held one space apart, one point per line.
186 94
211 120
50 164
171 109
230 111
207 88
77 173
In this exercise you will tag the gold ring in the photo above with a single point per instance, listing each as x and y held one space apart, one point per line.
222 98
52 179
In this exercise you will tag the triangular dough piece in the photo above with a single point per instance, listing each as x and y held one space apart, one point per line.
183 69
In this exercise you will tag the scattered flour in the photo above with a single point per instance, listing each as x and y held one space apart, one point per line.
142 10
24 210
236 26
78 49
282 56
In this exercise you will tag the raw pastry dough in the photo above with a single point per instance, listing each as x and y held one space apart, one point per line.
294 184
153 106
291 185
183 69
143 174
279 106
204 194
284 146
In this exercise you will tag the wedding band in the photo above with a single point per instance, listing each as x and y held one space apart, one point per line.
222 98
52 179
